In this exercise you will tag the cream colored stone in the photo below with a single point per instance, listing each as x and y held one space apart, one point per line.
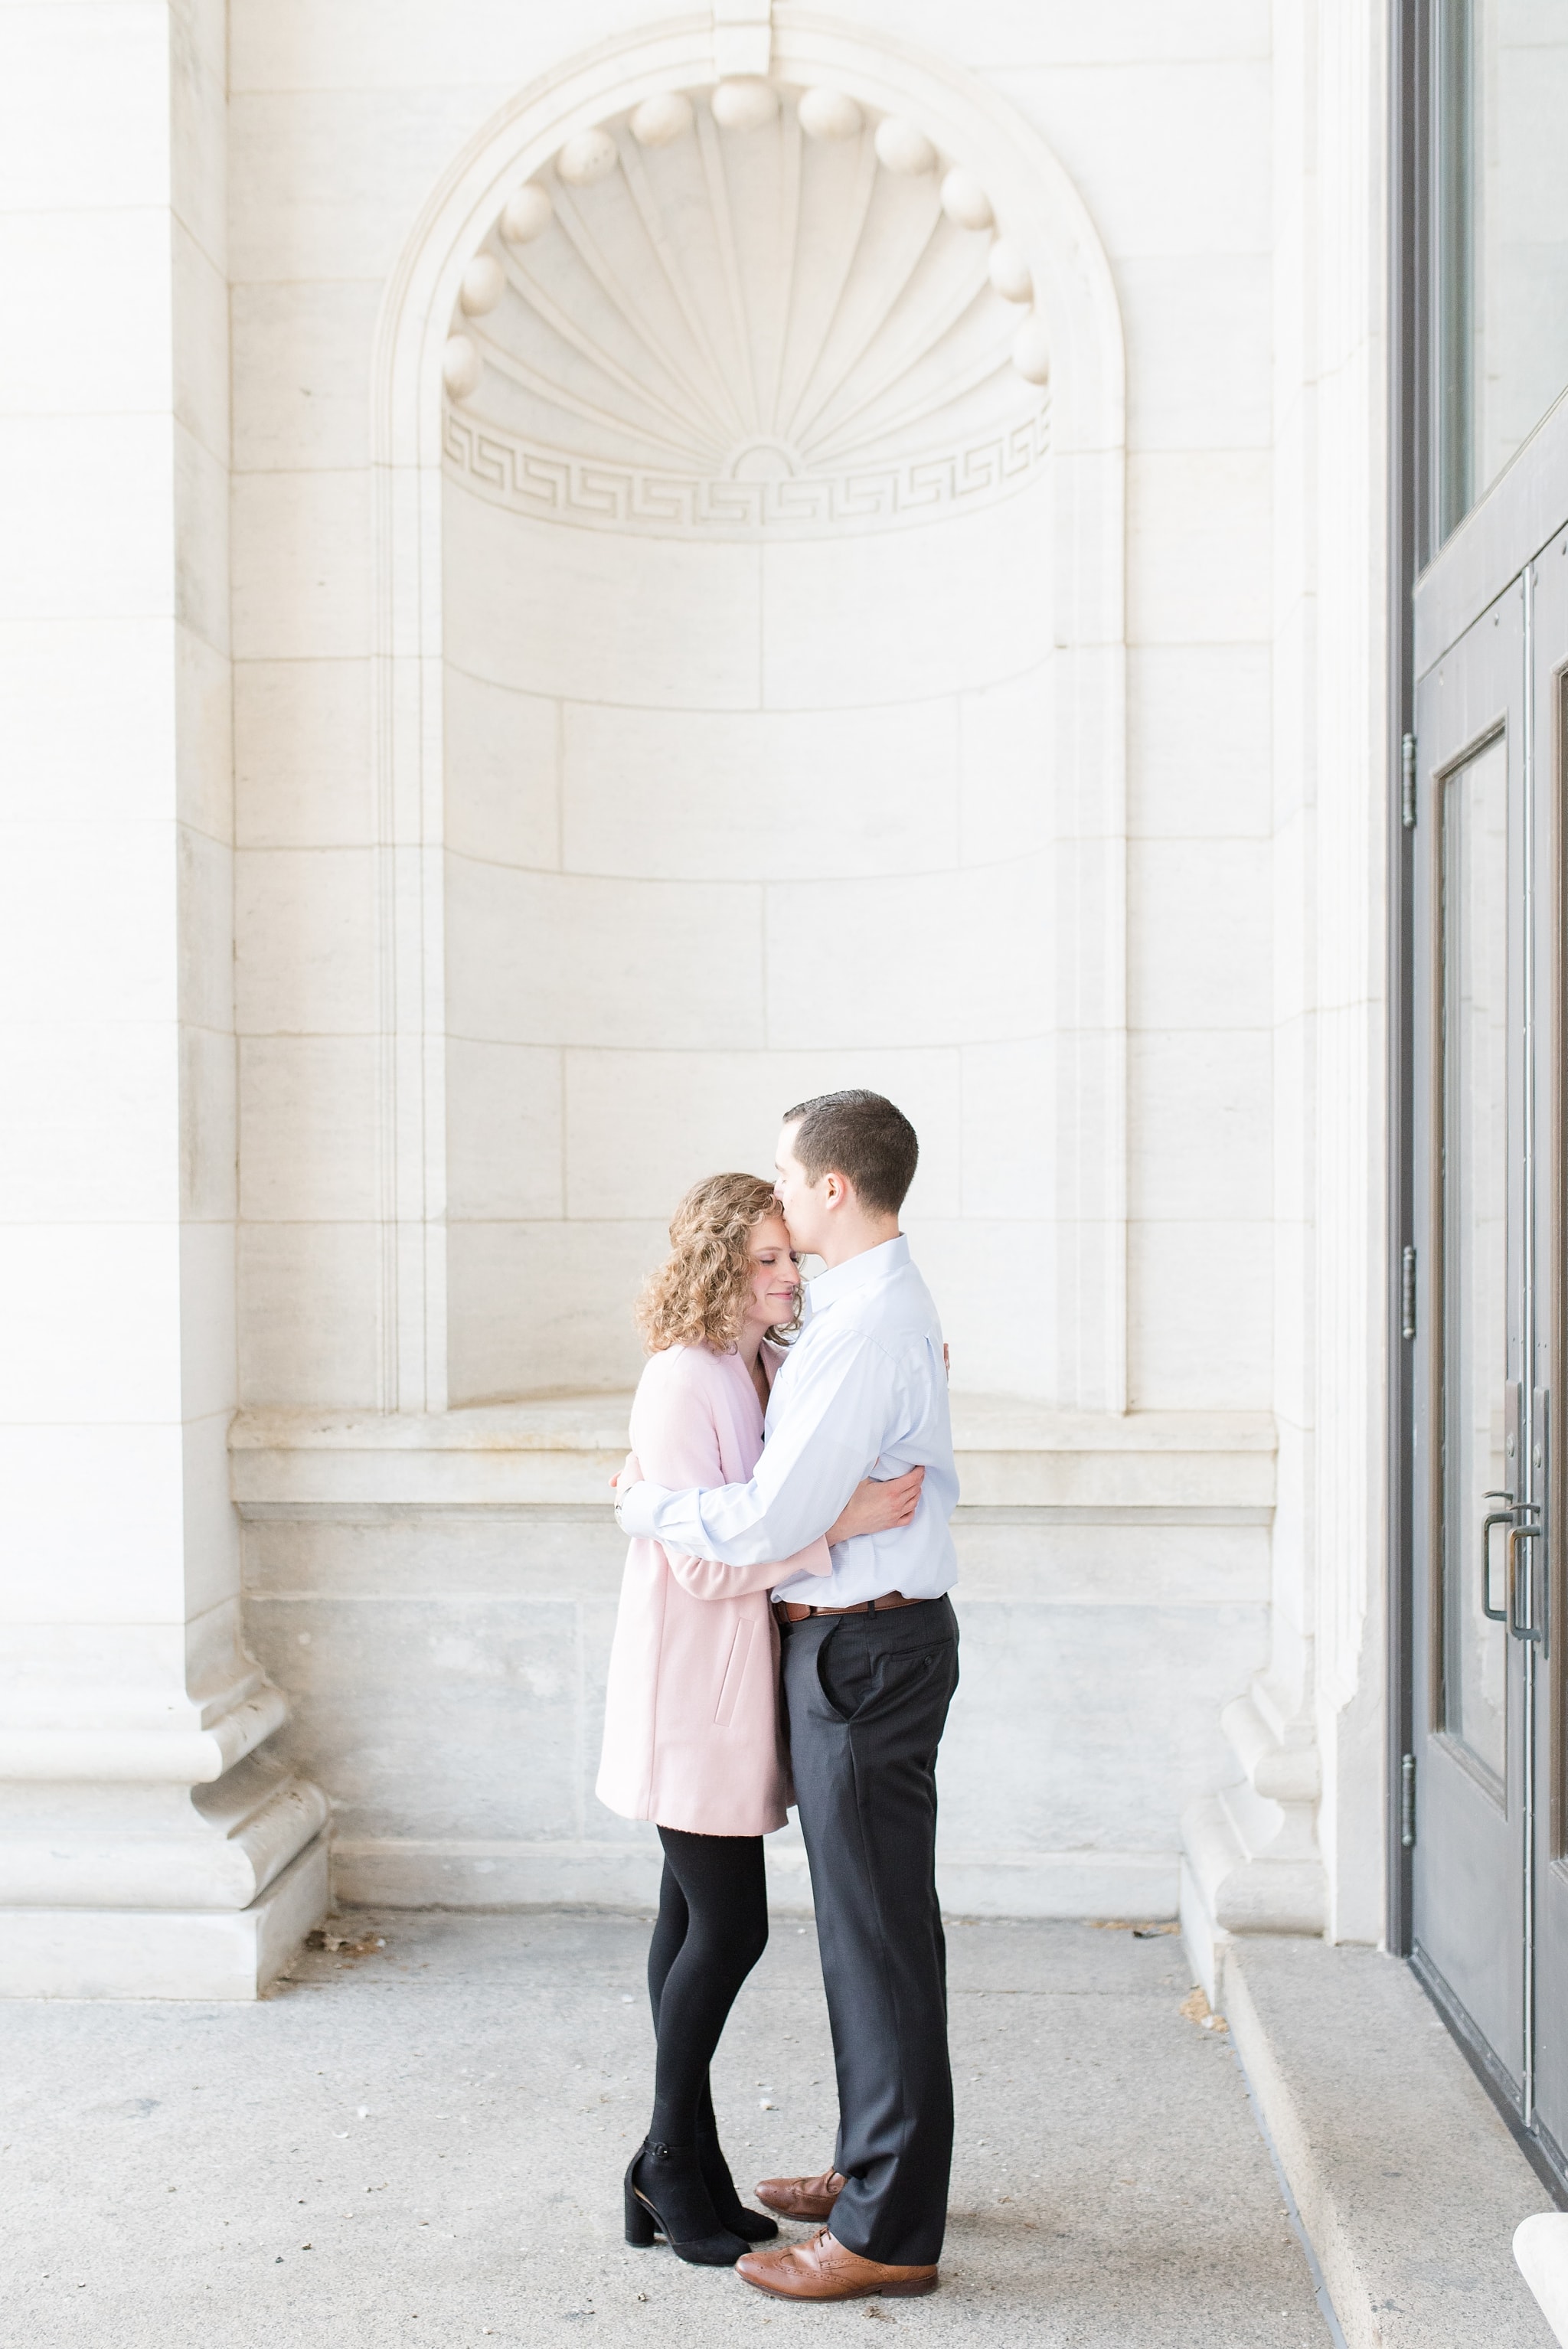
1009 272
1198 933
1198 357
301 558
503 772
660 121
295 217
1197 727
711 795
870 963
1199 1129
462 366
1171 152
483 283
1198 539
549 958
210 1954
1010 791
589 157
1011 1132
505 1158
1202 1334
744 104
527 213
204 747
958 605
904 149
681 622
830 114
1032 349
308 1302
538 1306
305 942
699 1114
200 297
308 1129
964 201
209 1125
302 776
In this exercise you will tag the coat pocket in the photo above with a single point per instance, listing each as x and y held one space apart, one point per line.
734 1672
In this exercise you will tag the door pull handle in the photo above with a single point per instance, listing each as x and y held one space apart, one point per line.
1518 1535
1495 1517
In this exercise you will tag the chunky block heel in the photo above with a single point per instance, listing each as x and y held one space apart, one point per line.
640 2228
671 2201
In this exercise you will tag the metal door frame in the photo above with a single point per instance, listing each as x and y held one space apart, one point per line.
1434 596
1472 701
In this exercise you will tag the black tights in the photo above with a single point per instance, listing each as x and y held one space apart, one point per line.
712 1928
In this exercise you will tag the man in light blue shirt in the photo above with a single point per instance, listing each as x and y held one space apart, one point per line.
870 1665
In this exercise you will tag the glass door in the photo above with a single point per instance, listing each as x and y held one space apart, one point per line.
1470 1305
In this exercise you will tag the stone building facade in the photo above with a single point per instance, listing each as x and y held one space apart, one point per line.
573 575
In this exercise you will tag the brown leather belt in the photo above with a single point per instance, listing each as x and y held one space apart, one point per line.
790 1610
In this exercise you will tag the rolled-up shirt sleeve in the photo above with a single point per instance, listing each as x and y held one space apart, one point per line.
843 1400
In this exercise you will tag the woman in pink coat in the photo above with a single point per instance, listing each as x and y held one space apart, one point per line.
692 1732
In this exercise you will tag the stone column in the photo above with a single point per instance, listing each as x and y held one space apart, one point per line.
1295 1844
149 1846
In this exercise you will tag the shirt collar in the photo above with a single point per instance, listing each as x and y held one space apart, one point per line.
872 1264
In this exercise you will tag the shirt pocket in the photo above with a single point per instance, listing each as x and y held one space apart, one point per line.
734 1672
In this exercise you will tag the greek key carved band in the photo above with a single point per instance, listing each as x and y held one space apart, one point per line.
584 490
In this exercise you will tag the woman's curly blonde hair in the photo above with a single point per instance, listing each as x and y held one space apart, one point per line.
700 1294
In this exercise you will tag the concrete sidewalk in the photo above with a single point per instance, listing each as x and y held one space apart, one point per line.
422 2142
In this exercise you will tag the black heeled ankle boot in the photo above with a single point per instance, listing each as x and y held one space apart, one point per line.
665 2195
730 2211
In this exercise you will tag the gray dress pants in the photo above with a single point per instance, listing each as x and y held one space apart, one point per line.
866 1698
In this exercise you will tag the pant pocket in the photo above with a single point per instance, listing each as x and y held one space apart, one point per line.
845 1673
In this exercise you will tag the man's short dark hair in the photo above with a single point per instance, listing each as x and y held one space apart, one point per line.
863 1138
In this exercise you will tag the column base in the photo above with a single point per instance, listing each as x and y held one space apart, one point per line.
187 1954
1226 1890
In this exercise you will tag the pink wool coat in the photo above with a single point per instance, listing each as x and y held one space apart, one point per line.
691 1722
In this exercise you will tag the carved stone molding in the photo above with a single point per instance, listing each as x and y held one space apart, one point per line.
554 486
746 308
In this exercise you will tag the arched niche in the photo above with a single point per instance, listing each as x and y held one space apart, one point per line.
751 708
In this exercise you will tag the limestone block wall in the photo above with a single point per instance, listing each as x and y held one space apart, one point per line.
729 829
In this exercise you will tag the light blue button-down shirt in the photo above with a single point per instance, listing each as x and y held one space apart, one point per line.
863 1390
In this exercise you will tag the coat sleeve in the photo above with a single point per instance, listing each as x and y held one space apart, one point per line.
675 1439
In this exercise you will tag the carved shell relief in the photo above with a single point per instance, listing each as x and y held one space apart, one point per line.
745 310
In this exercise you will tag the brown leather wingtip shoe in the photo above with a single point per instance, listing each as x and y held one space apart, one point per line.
820 2269
810 2198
